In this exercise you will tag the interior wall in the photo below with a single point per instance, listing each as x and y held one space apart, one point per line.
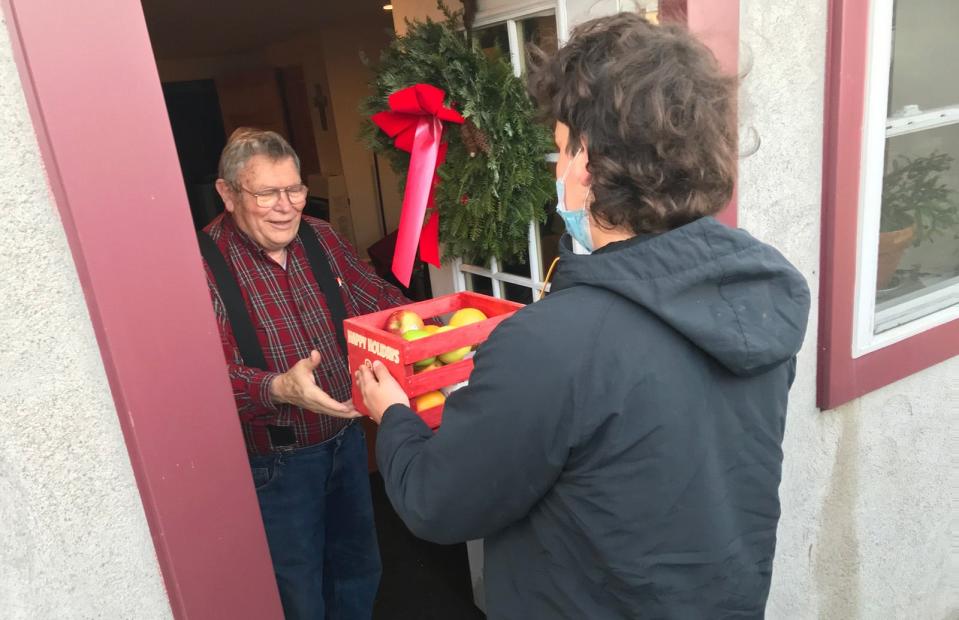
330 58
305 50
418 10
349 82
206 67
392 198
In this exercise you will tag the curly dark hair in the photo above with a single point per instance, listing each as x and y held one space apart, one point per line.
656 113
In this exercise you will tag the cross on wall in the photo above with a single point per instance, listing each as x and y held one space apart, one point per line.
320 101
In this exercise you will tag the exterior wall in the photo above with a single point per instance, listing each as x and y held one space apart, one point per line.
866 506
74 540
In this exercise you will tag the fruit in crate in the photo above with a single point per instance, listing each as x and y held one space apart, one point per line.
416 334
428 400
433 366
403 321
466 316
431 328
455 355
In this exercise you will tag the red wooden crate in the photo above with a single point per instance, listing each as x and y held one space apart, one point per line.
368 340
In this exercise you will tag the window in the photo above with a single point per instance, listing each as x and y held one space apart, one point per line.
891 195
910 201
517 280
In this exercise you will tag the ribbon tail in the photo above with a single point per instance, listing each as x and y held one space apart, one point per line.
419 186
430 239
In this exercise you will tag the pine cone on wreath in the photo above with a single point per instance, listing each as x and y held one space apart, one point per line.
474 139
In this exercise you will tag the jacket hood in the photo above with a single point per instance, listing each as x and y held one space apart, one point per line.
734 297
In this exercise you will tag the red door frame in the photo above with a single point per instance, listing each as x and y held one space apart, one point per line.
94 95
93 92
841 377
716 23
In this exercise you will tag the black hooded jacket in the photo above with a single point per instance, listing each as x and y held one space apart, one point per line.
619 446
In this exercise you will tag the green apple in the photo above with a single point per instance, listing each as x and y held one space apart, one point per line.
457 354
416 334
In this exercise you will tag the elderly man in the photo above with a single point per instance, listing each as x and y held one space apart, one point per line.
307 452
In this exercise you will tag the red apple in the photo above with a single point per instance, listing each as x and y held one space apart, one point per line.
403 321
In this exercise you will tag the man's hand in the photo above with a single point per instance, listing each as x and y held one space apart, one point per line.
380 390
297 386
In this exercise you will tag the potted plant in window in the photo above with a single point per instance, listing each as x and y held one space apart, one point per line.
916 207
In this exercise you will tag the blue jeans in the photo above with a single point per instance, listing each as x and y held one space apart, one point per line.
318 516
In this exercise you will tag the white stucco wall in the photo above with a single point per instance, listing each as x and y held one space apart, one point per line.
867 489
74 542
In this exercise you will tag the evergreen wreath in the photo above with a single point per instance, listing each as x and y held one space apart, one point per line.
495 179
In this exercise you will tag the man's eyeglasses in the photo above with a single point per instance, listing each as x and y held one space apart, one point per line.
268 198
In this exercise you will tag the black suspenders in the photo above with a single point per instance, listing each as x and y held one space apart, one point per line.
236 309
320 265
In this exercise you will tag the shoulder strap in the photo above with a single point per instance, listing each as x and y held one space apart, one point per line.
320 264
236 310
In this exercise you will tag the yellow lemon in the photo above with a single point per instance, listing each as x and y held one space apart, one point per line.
466 316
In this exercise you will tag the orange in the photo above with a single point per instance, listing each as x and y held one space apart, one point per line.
428 401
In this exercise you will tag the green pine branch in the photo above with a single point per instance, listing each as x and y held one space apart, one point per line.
486 201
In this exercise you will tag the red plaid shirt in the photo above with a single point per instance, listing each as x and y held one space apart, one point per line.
290 316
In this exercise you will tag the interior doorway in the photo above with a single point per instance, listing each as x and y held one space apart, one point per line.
197 124
296 69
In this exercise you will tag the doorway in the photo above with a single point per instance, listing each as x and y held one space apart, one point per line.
296 69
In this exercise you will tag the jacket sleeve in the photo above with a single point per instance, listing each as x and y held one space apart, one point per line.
504 441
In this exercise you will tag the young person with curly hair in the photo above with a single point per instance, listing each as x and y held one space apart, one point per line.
619 445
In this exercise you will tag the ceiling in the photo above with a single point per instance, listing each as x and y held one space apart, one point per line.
188 28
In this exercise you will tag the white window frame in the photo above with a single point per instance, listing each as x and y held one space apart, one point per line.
511 18
910 316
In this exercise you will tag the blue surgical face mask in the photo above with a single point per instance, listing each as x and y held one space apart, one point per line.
577 222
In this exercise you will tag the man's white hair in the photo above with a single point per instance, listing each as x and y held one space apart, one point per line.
247 142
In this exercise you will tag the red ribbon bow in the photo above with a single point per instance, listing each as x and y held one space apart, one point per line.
415 123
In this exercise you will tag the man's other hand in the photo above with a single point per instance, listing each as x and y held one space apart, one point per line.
298 387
